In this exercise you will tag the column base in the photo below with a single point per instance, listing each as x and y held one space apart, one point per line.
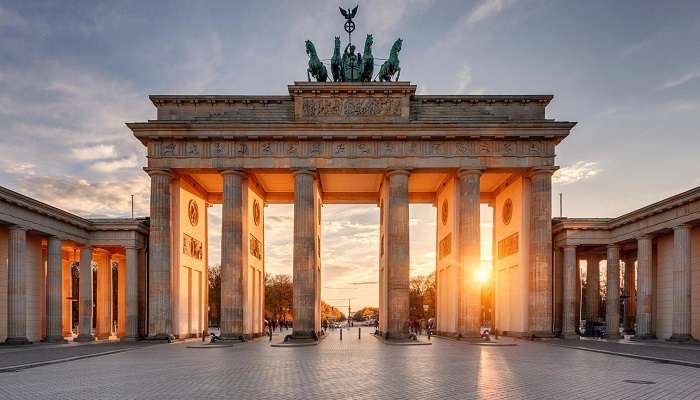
104 336
17 340
229 337
84 338
681 338
614 337
55 339
571 335
162 336
129 339
541 334
644 337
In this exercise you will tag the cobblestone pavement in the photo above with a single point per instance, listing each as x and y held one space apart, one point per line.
653 348
354 369
44 352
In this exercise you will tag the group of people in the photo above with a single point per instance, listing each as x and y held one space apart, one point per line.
276 324
419 326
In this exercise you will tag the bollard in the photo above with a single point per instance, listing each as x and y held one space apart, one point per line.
341 334
359 333
428 334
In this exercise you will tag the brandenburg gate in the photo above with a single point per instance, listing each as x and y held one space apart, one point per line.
361 143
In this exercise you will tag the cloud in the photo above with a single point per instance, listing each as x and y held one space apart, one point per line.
487 9
108 198
683 106
19 169
681 80
464 81
96 152
580 171
115 165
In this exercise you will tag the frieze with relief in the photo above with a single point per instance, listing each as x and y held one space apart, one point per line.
351 107
351 148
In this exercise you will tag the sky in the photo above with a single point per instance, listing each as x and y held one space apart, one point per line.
72 73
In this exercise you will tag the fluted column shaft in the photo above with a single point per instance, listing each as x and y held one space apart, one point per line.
469 318
104 296
132 294
232 267
569 286
160 323
397 254
630 304
681 283
612 302
592 287
540 271
17 286
85 295
644 287
304 279
54 291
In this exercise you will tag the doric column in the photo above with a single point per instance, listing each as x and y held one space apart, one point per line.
85 296
681 283
121 294
397 254
54 291
67 296
569 286
17 286
469 318
540 270
644 287
592 287
232 267
132 294
104 296
159 269
612 301
630 292
304 279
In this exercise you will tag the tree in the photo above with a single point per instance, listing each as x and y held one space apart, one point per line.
365 313
279 296
421 292
214 279
331 313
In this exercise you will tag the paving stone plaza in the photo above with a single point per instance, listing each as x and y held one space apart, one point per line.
354 369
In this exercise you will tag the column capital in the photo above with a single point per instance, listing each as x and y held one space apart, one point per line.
645 236
159 171
304 171
398 171
87 246
548 170
234 171
470 171
570 246
613 246
681 227
18 228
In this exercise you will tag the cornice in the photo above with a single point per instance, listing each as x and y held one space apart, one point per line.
88 225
